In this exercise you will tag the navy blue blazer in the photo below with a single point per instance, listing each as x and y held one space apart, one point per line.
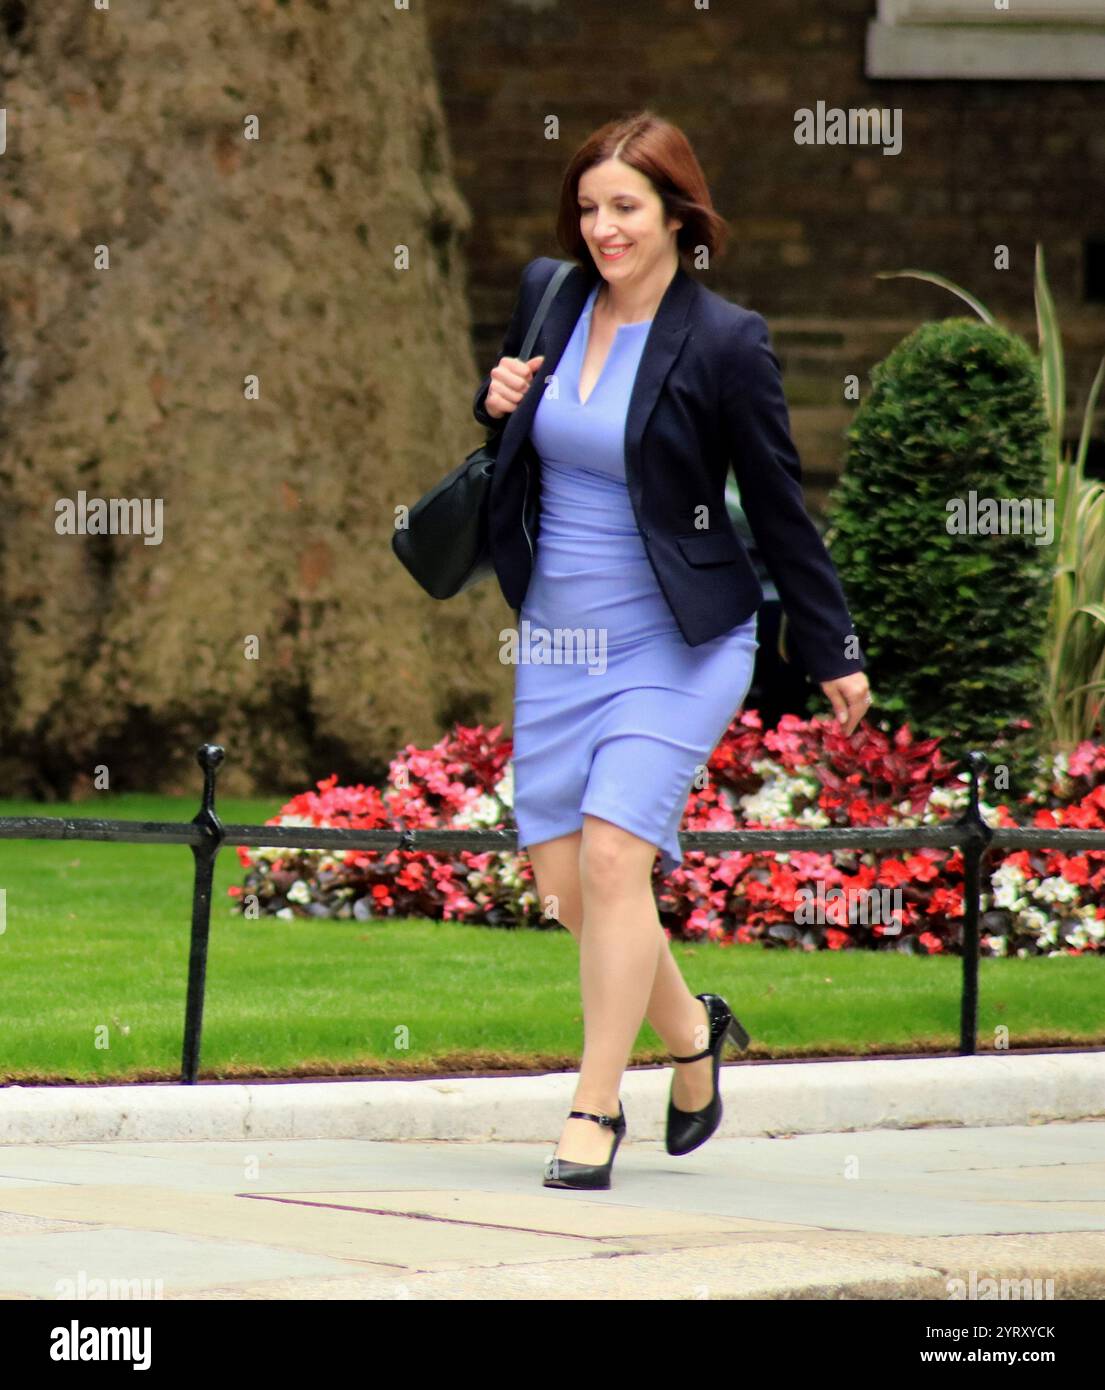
708 394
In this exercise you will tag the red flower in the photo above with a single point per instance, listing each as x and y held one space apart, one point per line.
893 872
947 902
729 898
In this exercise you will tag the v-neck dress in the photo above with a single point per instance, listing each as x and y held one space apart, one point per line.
614 712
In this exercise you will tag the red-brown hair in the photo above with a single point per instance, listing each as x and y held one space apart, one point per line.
662 153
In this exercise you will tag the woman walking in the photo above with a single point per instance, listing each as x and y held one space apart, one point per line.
645 388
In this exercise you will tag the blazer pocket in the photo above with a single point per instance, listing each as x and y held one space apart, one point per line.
710 547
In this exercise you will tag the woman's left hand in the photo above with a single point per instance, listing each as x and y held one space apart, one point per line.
850 697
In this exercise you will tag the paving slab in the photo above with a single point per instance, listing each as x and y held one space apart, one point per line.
865 1214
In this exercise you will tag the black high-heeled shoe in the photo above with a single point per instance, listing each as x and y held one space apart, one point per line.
687 1129
562 1172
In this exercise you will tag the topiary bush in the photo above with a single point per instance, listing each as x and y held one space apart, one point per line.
952 624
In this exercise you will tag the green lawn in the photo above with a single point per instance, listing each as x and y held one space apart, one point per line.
95 952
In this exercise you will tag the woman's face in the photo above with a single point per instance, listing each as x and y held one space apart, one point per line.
621 211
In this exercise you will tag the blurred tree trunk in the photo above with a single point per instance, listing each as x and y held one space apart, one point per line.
229 258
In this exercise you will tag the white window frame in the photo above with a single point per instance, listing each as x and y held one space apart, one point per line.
1041 40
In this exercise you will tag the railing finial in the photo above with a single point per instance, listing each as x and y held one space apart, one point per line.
977 764
209 756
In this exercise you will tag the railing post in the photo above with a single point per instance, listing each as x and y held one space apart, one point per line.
977 835
209 756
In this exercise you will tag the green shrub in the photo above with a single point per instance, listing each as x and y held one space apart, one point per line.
953 624
1075 643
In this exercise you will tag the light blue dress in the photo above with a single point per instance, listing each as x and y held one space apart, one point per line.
614 713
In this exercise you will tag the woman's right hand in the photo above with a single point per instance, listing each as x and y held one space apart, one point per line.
510 380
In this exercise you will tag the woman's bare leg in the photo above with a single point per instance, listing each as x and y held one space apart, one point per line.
597 883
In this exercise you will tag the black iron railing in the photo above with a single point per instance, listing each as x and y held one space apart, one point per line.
206 835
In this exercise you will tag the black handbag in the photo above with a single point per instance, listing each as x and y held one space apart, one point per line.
445 543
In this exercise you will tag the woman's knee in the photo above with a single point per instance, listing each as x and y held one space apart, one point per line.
612 859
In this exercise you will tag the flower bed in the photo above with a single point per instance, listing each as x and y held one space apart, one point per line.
804 773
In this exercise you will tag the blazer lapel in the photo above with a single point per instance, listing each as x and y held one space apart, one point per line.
670 326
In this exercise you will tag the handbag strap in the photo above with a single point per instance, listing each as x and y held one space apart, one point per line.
555 281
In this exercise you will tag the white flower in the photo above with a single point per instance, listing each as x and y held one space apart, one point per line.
758 806
780 792
482 811
1033 919
299 892
1058 890
271 852
504 788
510 872
286 913
1008 881
944 798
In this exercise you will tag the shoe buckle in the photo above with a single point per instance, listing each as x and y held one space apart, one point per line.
608 1120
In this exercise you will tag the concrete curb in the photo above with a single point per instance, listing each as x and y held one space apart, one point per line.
760 1100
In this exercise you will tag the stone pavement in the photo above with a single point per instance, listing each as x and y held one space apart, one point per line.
879 1213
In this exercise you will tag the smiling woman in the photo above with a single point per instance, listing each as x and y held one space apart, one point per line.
644 387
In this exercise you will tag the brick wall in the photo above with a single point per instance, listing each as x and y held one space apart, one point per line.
982 163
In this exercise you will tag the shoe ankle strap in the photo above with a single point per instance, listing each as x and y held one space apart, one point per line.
608 1120
706 1052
